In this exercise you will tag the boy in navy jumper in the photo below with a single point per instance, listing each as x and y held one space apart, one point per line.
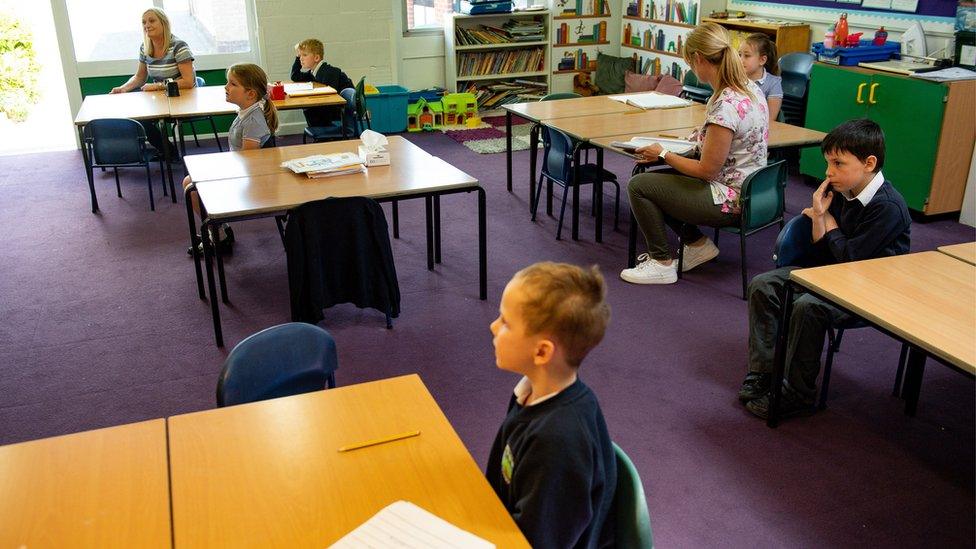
856 214
552 463
310 66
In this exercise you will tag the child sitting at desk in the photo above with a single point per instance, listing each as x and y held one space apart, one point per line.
758 55
868 219
256 122
552 463
310 66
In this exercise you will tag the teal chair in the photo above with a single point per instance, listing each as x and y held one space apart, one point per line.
534 134
763 201
694 89
633 523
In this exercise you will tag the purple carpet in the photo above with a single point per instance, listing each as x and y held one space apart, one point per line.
101 325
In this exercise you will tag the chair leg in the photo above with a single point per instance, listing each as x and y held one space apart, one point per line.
118 186
616 205
280 222
681 255
396 219
837 339
538 196
832 339
562 213
330 381
745 274
717 232
182 140
152 201
304 138
900 372
213 125
549 197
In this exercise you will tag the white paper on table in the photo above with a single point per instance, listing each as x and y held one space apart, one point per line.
404 525
321 90
651 100
292 87
677 146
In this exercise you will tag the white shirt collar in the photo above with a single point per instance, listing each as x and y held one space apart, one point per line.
867 193
257 105
317 66
760 81
523 389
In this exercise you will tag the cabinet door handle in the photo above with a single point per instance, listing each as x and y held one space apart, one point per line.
860 90
871 93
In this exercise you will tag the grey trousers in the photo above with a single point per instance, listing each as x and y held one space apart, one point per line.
805 336
669 199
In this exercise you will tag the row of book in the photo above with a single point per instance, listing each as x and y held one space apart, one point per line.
653 40
587 7
487 34
598 34
653 65
494 95
665 10
579 60
527 29
500 62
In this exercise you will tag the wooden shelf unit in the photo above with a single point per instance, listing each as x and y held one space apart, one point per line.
788 38
581 44
659 22
563 16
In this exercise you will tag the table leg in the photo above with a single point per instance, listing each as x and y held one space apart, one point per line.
88 169
396 219
211 286
508 148
533 163
914 368
215 238
576 155
482 245
342 119
779 357
429 214
169 168
437 229
194 241
599 195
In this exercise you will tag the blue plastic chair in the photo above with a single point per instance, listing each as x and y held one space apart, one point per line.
183 121
121 143
763 201
633 523
288 359
795 70
794 247
559 166
335 130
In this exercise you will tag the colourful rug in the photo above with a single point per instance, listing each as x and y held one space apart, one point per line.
489 136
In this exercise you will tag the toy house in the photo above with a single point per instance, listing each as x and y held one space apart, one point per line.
425 115
459 107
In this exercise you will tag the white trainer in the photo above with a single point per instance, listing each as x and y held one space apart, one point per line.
651 271
696 255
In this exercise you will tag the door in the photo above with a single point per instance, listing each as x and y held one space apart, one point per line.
835 96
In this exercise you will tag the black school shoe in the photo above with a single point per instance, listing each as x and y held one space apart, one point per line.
791 404
225 244
755 385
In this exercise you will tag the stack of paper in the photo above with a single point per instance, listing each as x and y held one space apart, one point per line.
326 165
403 524
677 146
651 100
301 89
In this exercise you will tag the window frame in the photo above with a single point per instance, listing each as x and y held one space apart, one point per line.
422 31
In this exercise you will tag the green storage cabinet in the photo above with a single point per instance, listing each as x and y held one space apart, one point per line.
910 111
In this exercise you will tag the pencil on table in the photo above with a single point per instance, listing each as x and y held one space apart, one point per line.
383 440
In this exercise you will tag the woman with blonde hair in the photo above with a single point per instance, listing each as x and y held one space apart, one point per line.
731 144
162 57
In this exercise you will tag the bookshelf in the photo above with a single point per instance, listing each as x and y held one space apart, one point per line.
580 30
655 31
501 58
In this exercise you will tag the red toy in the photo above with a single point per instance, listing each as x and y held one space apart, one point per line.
853 40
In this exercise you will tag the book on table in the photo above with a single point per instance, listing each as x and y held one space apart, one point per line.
677 146
651 100
326 165
301 89
408 526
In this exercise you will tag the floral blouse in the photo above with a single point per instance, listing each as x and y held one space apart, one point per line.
749 121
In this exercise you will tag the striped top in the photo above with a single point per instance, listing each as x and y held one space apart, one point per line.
161 68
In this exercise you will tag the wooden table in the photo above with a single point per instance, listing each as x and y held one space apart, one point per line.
104 488
212 100
251 184
269 474
587 128
780 135
964 252
923 299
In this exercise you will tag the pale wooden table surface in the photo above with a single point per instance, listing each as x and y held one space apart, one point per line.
212 100
965 252
927 298
269 474
780 135
633 122
103 488
567 108
412 170
136 105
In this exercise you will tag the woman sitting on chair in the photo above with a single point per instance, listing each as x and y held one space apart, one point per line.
705 190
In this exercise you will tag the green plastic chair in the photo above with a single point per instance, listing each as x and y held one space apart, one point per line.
633 523
763 202
694 89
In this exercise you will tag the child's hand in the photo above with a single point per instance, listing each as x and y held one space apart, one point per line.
822 197
649 153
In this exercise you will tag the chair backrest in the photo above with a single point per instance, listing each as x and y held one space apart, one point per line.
116 141
283 360
200 81
694 89
795 70
354 126
797 63
270 142
362 112
794 244
559 95
632 521
764 195
557 150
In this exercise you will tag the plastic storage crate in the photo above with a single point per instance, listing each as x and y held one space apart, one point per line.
430 94
388 109
864 53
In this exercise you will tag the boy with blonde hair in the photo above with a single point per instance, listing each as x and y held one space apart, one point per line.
552 463
310 66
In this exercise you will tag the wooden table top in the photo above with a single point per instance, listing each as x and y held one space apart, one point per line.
780 135
926 298
965 252
210 100
103 488
269 474
136 105
566 108
252 182
633 122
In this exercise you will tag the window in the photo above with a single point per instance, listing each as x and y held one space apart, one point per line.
427 14
111 30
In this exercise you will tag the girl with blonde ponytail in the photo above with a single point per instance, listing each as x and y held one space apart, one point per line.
731 144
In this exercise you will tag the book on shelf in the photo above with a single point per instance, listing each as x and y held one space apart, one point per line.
500 62
493 95
587 7
326 165
677 146
651 100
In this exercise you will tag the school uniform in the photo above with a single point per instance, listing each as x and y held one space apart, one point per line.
249 124
323 73
875 223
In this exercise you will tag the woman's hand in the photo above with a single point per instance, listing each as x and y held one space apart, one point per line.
648 153
152 86
119 89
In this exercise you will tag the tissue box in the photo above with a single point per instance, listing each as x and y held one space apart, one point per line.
379 157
